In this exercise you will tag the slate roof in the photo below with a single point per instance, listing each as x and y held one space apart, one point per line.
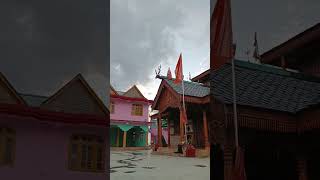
266 86
190 88
33 100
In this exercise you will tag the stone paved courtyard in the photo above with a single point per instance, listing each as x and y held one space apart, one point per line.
142 165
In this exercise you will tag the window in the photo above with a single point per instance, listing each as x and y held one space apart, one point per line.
86 153
7 146
112 107
137 110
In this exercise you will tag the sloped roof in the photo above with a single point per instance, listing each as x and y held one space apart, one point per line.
134 92
81 79
33 100
266 86
190 88
11 89
291 45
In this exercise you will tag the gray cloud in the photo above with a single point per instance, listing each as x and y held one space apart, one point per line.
146 33
45 43
275 21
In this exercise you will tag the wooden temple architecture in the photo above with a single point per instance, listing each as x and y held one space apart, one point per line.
168 102
278 112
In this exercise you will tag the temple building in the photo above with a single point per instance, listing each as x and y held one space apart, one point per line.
278 112
168 101
129 114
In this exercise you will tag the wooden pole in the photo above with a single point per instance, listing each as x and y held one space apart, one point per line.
168 127
235 116
118 136
160 130
124 143
205 129
147 137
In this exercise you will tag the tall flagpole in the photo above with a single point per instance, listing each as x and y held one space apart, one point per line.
184 110
235 115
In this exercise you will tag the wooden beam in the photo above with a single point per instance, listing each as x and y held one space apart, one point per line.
168 127
205 129
160 130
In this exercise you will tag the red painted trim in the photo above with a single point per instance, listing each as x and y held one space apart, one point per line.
131 98
61 117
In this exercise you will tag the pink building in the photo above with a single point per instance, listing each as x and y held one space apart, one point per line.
129 114
63 136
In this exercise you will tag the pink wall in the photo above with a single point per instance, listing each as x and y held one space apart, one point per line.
123 110
42 150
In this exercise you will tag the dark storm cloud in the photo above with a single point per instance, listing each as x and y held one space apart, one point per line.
274 21
45 43
141 31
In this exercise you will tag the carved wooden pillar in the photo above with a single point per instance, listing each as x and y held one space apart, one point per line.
205 129
160 130
302 168
168 127
124 143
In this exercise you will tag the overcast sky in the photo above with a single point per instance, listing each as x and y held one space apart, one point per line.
45 43
147 33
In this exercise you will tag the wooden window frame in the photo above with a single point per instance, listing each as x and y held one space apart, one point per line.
135 111
6 133
83 140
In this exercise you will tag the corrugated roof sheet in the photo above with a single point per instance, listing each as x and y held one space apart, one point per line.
266 87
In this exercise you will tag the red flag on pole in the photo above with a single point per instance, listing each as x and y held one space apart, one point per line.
221 34
183 115
178 71
239 168
169 76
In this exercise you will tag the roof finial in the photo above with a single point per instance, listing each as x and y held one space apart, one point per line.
158 72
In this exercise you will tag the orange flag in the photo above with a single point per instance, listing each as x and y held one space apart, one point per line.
183 115
178 71
221 43
169 76
239 169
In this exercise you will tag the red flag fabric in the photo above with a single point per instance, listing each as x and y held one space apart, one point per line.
239 166
169 75
221 42
183 115
178 71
